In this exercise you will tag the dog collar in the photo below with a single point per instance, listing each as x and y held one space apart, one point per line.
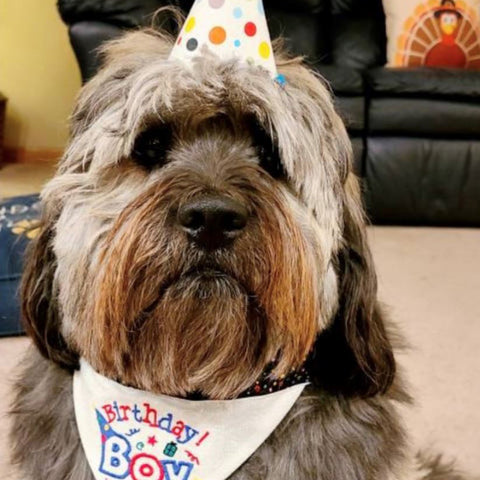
268 383
131 434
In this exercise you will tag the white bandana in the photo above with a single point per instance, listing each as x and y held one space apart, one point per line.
132 434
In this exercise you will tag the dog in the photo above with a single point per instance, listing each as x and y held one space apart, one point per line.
205 227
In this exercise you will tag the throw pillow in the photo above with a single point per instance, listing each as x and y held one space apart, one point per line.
433 33
18 220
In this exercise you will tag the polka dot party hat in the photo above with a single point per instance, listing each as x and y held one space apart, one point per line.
229 29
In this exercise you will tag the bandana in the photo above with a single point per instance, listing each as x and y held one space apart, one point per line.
131 434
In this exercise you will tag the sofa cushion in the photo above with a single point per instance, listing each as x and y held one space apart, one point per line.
358 147
86 38
430 117
419 181
358 33
343 80
305 30
18 218
424 82
348 86
352 112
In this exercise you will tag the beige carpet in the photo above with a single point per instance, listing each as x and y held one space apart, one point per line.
430 280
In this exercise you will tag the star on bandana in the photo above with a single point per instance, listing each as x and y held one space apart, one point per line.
152 440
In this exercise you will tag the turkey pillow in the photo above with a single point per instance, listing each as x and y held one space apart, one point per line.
433 33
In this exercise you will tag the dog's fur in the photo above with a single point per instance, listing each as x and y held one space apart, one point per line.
111 277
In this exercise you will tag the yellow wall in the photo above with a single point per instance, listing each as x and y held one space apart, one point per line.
38 74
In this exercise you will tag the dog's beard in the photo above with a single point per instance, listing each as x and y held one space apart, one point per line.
203 334
209 338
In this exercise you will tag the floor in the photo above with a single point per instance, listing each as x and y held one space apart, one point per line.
24 178
430 281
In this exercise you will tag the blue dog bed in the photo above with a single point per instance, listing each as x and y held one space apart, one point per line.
18 218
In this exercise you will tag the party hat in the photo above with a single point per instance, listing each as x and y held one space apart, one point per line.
229 29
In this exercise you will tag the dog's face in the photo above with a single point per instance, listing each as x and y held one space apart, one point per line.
203 223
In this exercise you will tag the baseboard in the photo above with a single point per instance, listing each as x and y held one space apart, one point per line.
22 155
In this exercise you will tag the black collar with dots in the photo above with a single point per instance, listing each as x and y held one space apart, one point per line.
268 384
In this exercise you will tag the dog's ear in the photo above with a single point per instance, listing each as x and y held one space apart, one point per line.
40 313
353 356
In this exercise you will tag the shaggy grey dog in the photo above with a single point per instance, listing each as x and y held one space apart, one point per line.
203 222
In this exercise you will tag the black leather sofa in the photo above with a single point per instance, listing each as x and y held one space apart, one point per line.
415 132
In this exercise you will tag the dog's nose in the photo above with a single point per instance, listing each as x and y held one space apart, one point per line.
213 222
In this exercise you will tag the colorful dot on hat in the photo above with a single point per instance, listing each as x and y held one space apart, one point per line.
217 35
237 43
190 24
192 44
264 50
237 12
216 3
250 29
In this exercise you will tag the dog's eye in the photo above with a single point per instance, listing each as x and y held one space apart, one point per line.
268 153
151 147
270 161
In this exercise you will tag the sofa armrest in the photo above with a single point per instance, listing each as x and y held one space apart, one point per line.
423 82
